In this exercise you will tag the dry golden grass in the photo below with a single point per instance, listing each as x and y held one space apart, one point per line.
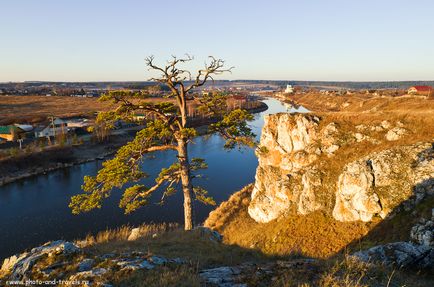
122 233
362 103
33 109
316 235
182 276
170 241
229 209
342 272
347 271
37 108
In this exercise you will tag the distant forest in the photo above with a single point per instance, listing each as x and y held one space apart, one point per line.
145 84
348 85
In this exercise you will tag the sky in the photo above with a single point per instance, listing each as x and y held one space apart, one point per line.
107 40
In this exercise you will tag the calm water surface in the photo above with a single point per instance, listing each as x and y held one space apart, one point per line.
35 210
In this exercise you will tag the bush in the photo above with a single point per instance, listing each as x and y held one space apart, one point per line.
13 152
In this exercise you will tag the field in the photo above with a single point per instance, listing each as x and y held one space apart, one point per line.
36 108
363 103
33 109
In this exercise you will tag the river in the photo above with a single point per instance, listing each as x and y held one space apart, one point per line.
35 210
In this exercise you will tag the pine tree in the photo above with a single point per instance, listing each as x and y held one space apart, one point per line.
167 128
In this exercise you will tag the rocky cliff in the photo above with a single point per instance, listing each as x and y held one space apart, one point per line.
284 179
291 174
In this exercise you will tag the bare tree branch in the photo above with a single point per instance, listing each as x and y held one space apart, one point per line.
214 67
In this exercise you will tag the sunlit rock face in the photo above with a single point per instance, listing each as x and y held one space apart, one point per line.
288 145
356 199
290 177
381 182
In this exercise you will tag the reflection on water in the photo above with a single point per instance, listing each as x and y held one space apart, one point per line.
35 210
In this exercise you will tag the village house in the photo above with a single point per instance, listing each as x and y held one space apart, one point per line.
25 127
57 126
10 133
420 90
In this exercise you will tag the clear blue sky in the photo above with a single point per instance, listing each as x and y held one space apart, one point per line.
96 40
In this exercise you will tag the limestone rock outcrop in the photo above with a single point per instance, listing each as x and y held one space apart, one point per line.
395 134
417 254
284 178
356 199
383 181
291 178
65 263
20 266
400 254
423 231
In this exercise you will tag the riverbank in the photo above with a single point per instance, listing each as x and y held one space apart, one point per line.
56 157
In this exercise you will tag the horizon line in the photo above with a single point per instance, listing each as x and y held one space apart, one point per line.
225 80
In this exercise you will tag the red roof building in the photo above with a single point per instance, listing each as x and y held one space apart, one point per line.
426 90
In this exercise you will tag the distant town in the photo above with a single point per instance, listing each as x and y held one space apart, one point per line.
41 117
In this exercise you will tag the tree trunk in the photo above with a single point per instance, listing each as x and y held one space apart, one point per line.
187 187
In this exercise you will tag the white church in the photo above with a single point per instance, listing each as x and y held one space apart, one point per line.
289 89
